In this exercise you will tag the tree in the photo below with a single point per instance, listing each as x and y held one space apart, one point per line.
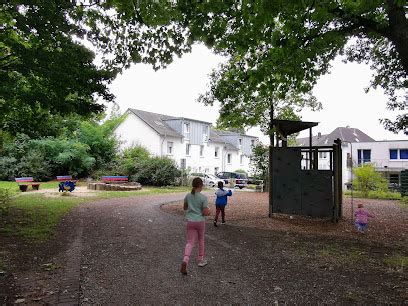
272 46
259 161
45 73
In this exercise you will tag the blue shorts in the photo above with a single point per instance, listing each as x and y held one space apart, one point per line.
361 226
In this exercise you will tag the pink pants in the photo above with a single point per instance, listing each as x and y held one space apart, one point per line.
194 229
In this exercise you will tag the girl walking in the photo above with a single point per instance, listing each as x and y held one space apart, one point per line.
196 207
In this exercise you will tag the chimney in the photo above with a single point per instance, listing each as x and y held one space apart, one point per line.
319 135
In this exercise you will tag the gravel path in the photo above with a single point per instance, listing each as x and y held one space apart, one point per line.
131 254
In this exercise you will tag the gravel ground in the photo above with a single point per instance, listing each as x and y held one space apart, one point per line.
131 252
390 225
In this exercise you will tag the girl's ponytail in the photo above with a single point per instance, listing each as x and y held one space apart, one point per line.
197 183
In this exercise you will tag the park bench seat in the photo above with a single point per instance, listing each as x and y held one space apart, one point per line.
64 178
24 182
66 183
114 178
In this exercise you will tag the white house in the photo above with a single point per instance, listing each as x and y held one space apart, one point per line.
388 156
192 143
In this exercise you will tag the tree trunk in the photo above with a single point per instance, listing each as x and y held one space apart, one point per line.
398 31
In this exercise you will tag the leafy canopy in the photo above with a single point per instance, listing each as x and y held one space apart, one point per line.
45 73
274 47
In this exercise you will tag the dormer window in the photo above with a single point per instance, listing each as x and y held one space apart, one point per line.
186 128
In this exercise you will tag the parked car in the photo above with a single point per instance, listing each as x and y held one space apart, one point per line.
241 179
208 179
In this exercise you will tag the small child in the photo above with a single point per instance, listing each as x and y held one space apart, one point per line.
221 202
362 218
196 207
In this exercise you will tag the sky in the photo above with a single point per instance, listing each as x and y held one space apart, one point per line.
174 91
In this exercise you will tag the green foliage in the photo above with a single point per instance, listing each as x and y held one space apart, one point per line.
366 179
131 157
5 197
241 171
273 47
260 161
157 171
45 73
376 194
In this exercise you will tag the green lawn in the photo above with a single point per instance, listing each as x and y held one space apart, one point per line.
35 216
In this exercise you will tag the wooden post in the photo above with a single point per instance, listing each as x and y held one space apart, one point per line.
271 145
316 158
338 188
310 149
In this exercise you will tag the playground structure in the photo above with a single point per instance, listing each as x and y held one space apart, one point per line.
299 187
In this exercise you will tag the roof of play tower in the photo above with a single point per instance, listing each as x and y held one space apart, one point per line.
288 127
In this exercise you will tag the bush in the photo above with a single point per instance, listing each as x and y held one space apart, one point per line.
367 179
5 198
157 171
131 157
376 194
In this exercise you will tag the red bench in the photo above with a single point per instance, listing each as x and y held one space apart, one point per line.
114 178
64 178
24 182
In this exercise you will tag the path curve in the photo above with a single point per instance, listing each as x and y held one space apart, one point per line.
131 250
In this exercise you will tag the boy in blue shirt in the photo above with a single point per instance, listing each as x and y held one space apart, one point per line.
221 202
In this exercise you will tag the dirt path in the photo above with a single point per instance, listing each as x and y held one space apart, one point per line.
128 251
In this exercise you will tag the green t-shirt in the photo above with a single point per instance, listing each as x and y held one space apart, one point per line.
196 203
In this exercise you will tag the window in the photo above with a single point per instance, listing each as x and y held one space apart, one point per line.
241 159
205 133
322 155
240 142
403 153
252 142
186 127
187 149
394 178
187 130
201 150
393 154
364 156
216 151
229 158
169 148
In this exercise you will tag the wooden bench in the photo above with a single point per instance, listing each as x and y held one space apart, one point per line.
114 178
24 182
66 183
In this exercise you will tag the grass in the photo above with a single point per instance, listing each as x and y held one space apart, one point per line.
340 255
398 262
35 216
384 195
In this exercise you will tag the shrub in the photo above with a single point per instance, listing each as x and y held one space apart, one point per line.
157 171
366 179
131 157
